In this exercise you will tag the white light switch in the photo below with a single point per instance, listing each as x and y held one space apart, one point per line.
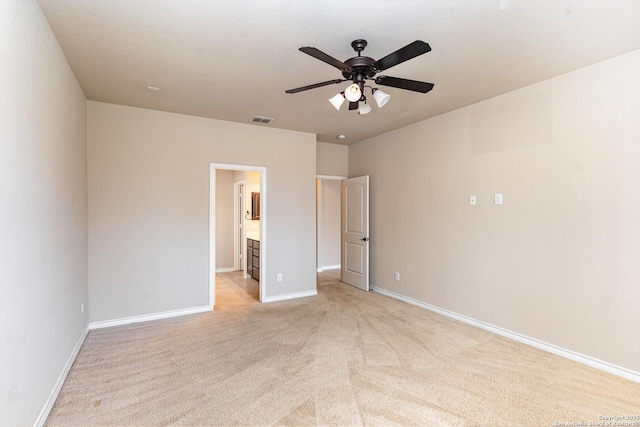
472 200
498 198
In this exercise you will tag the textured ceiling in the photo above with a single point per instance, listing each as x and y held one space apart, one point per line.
232 60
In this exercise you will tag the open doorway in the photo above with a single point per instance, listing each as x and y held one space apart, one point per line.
342 228
231 222
328 223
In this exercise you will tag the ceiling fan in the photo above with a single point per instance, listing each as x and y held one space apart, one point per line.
361 68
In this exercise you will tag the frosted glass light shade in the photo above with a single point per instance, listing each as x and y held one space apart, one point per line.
352 93
364 108
337 101
381 98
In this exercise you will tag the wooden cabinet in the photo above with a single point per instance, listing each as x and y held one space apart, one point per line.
249 257
253 259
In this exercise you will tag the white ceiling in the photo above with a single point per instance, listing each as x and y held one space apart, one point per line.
234 59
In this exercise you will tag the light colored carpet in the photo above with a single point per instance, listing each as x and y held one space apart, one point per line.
345 357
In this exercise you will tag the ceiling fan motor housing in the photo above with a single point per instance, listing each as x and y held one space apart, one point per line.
360 66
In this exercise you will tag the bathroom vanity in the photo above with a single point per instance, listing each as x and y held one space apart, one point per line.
253 258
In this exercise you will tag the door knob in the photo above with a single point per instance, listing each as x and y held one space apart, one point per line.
365 239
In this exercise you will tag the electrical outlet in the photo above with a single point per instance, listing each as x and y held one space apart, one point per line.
498 198
82 307
397 276
279 278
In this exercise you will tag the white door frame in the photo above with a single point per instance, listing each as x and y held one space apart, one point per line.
212 226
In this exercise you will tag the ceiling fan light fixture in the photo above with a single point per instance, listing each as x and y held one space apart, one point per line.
365 108
353 93
337 101
381 97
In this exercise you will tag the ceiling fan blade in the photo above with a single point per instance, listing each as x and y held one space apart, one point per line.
407 84
318 54
353 105
406 53
313 86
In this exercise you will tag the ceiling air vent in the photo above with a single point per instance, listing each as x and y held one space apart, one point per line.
259 119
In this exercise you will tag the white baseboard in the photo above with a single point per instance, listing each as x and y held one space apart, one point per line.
148 317
61 379
225 269
291 296
551 348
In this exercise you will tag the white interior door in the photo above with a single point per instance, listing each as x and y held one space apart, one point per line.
239 241
355 232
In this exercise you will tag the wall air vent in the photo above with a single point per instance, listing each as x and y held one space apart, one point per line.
259 119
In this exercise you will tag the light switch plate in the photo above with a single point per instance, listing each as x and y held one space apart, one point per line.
472 200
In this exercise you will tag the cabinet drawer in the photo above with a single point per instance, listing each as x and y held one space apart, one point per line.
256 244
256 252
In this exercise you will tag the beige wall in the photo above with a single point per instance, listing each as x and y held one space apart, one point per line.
328 223
558 261
43 213
149 207
332 159
224 219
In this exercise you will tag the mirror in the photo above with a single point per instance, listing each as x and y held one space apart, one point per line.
255 205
